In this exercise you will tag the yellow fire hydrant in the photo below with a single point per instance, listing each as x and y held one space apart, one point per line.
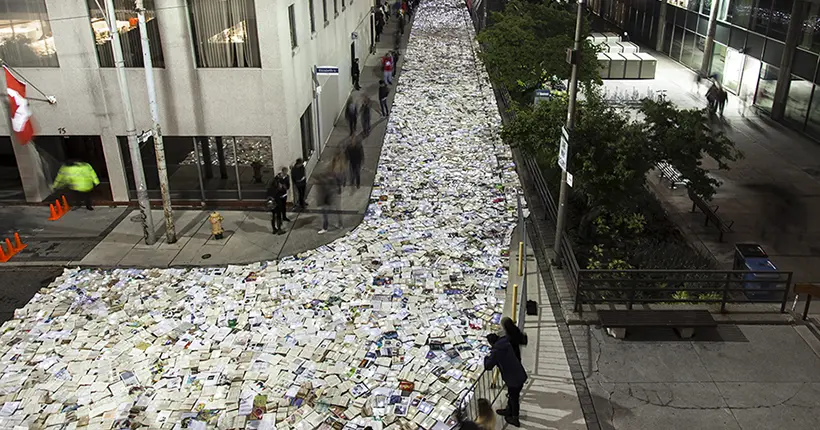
216 225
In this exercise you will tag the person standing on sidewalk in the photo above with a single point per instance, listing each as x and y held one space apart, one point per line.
379 23
512 372
351 113
299 177
384 91
327 200
514 335
387 68
355 72
284 181
273 204
367 104
80 178
355 156
395 55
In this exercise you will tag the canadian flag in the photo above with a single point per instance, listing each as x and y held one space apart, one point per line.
19 109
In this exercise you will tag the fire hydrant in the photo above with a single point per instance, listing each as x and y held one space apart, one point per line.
216 225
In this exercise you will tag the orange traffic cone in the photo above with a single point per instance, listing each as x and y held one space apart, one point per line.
53 216
66 207
3 257
59 207
18 244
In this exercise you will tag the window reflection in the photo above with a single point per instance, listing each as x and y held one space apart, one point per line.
797 104
766 86
813 125
25 34
129 33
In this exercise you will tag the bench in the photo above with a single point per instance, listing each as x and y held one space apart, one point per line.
672 174
616 322
711 214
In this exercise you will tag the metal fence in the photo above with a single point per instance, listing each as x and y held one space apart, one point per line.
488 386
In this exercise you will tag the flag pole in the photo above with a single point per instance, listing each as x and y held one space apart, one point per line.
156 129
48 99
131 129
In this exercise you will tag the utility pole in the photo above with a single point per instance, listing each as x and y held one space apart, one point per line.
130 128
574 58
156 130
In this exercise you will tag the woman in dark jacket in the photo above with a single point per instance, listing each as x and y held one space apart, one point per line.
515 336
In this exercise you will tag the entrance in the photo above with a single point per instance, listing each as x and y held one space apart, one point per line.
11 186
56 150
733 70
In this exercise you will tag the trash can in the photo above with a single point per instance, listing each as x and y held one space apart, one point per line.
757 280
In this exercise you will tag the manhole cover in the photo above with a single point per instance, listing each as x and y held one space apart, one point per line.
206 256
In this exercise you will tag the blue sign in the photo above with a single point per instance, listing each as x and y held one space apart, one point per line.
327 70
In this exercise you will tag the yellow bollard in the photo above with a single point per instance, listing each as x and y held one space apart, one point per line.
520 258
515 301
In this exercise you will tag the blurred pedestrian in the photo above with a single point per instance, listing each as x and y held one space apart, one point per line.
327 200
299 177
722 98
384 91
401 21
512 372
395 55
387 68
355 72
712 98
367 104
744 103
351 113
515 336
696 82
486 416
80 178
284 180
355 157
338 168
379 23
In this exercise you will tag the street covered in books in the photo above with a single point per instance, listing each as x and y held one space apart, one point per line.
384 327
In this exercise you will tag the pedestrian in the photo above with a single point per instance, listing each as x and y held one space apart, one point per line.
515 336
486 417
696 82
273 204
512 372
384 91
387 68
338 169
712 98
351 113
284 180
379 23
299 177
327 200
355 157
722 97
395 55
80 178
401 21
367 104
744 103
354 72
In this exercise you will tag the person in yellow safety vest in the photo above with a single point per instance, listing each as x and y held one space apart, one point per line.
80 178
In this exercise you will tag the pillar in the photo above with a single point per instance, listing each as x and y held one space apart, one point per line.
205 145
36 186
220 156
709 44
661 26
116 168
781 92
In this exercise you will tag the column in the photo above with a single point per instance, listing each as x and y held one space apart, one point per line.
661 26
116 168
709 44
781 92
35 184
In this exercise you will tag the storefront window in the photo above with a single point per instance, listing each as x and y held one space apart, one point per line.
739 12
765 87
688 51
732 68
813 125
810 38
724 10
677 44
718 61
797 103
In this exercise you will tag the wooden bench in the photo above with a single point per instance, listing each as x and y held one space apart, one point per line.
672 174
711 214
616 322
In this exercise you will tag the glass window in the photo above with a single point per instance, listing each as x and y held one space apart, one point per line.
677 44
706 9
797 103
739 12
692 54
766 86
292 23
312 17
810 38
780 18
224 33
306 130
761 16
25 34
732 68
718 61
324 10
129 33
813 125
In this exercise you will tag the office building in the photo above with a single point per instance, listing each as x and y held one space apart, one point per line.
235 84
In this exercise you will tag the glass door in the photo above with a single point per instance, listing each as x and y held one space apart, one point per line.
733 69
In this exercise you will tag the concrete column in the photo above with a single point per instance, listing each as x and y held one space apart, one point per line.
116 168
781 92
709 44
32 174
661 26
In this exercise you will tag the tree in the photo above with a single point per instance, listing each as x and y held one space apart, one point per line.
526 45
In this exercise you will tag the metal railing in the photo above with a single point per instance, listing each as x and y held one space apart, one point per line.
718 287
487 386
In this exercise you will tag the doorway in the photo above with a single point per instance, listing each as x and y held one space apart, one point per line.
56 150
306 129
352 51
11 186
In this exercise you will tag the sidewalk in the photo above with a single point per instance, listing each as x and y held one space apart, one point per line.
111 237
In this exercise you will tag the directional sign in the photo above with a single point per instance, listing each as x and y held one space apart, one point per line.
541 95
569 179
327 70
563 150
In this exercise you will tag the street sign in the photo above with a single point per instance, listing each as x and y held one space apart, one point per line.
569 179
541 95
327 70
563 150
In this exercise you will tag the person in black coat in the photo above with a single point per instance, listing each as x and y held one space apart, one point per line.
326 198
512 372
515 336
351 114
355 156
283 180
355 72
299 177
384 91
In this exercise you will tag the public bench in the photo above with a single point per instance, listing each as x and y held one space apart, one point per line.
671 174
722 225
616 322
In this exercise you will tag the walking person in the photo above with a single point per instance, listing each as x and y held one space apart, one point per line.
80 178
284 180
327 200
351 113
355 156
722 97
512 372
367 104
387 68
354 73
712 98
395 55
514 335
379 23
401 21
338 169
299 177
384 91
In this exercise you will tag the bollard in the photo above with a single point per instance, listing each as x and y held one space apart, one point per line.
514 301
520 258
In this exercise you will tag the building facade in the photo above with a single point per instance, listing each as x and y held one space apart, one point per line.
766 50
235 86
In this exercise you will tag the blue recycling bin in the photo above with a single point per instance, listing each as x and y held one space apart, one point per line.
755 280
